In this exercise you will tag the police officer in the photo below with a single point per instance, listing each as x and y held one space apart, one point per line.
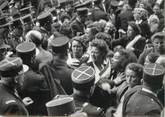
83 85
33 83
144 102
57 72
78 25
11 104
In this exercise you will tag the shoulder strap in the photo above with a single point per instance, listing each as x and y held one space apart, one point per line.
52 81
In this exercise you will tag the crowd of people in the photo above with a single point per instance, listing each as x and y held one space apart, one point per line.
106 56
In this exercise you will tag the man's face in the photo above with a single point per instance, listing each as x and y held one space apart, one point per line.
131 77
156 10
159 44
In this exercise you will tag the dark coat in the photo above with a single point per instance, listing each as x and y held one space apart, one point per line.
34 86
142 103
90 109
10 103
77 28
58 71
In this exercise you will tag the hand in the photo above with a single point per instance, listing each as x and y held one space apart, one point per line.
106 87
27 101
73 62
120 78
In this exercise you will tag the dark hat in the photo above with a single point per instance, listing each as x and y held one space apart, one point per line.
44 17
153 73
61 105
59 41
83 77
82 11
26 49
11 66
59 44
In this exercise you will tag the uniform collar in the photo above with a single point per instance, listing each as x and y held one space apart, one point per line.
149 91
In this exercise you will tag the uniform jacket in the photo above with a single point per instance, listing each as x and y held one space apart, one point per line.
58 73
77 28
142 103
10 103
34 86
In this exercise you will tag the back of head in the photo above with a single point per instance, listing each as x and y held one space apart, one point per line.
153 76
83 78
59 45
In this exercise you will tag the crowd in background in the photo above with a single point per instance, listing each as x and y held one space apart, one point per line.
45 43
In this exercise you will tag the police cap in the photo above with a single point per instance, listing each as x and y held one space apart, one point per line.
11 66
82 11
153 73
59 44
83 77
26 50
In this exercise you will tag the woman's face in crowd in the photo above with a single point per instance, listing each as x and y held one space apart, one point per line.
77 49
131 77
116 60
108 27
96 54
130 31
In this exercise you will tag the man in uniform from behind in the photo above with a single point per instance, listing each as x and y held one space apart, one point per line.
145 102
11 104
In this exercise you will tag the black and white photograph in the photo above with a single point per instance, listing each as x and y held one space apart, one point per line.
82 58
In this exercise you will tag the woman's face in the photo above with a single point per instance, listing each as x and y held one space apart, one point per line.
108 27
77 49
130 31
96 54
131 77
116 60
